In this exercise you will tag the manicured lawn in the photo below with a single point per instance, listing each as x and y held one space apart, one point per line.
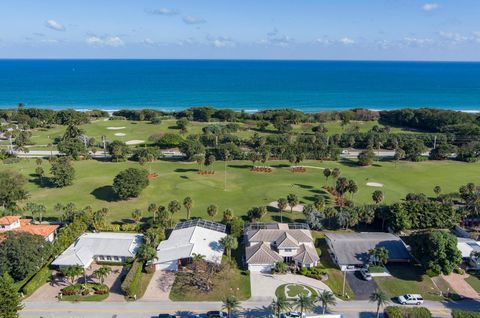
335 275
233 281
376 269
143 284
474 281
85 298
176 180
410 279
294 290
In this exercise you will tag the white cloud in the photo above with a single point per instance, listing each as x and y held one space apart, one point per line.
148 41
112 41
221 41
347 41
193 20
54 25
417 42
430 6
275 38
454 37
163 11
476 36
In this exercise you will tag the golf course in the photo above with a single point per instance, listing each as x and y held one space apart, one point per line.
244 189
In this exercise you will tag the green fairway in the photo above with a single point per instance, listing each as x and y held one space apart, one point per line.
141 130
176 180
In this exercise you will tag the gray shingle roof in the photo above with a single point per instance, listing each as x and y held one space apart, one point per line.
261 254
352 248
306 255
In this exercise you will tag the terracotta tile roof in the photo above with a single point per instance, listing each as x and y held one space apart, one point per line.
25 226
37 229
9 219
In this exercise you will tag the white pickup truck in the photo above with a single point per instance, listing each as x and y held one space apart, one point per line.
410 299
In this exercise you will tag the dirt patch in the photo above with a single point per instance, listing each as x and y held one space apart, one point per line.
135 142
375 184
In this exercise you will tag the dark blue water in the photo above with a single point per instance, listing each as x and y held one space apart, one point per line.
249 85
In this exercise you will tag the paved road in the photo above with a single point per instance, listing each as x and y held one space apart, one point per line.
145 309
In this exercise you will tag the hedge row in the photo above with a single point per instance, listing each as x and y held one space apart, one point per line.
465 314
38 280
125 227
130 283
407 312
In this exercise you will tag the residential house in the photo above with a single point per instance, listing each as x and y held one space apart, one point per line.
16 224
190 238
100 247
270 243
350 250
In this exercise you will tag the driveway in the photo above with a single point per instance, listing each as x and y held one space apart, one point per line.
50 291
360 287
159 286
263 286
460 286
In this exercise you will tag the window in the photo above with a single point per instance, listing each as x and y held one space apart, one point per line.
109 258
116 258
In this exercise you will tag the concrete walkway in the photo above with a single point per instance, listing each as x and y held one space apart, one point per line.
460 286
263 286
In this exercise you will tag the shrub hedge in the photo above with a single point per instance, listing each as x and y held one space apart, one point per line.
465 314
130 283
407 312
39 279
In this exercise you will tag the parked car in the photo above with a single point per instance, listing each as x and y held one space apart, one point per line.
216 314
166 316
410 299
366 274
294 314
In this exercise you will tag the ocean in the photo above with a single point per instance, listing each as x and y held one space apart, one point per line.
309 86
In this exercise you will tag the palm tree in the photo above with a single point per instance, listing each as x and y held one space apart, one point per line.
147 253
304 303
188 204
231 304
137 215
377 196
292 200
212 210
380 298
230 243
280 305
72 272
153 209
282 204
101 273
327 298
327 173
173 207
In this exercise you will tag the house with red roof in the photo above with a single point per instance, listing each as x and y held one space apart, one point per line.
14 223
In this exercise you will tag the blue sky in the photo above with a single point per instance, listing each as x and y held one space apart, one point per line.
242 29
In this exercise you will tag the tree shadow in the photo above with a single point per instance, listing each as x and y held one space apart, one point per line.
285 219
183 170
44 182
105 193
280 166
184 177
303 186
349 162
407 272
240 166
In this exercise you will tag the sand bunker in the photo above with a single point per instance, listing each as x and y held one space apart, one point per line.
135 142
115 128
120 134
375 184
297 208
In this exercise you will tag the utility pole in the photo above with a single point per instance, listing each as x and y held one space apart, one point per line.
435 142
344 280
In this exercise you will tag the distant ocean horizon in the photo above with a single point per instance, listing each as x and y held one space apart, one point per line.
249 85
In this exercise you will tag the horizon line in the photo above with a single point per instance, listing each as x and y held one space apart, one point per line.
228 59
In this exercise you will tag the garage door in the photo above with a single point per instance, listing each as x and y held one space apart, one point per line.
260 268
167 266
